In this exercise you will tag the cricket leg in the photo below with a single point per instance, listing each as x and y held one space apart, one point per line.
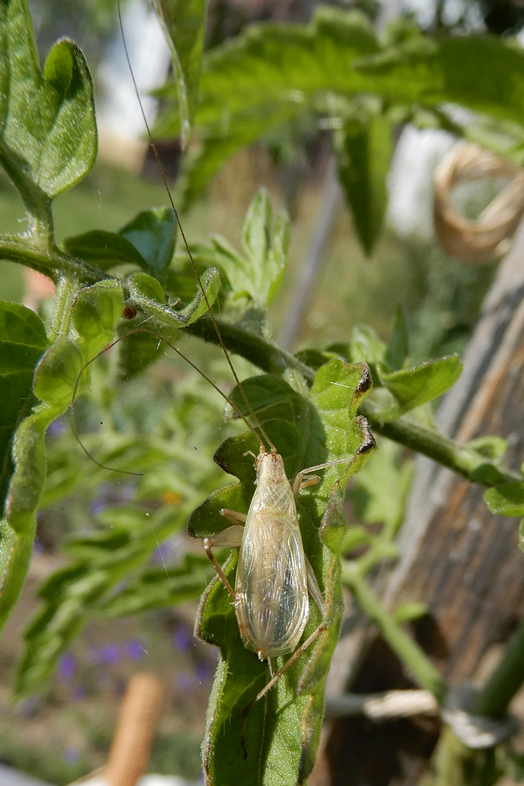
300 483
232 536
314 589
368 444
234 516
275 677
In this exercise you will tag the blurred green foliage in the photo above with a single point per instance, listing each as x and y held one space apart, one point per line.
148 437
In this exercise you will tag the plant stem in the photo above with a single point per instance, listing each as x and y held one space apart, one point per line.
461 459
63 301
403 645
272 359
50 262
505 681
267 356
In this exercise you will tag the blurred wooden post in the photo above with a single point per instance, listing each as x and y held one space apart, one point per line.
131 744
456 557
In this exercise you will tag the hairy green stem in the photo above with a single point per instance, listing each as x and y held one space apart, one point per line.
270 358
63 301
256 349
407 650
506 680
461 459
36 201
49 261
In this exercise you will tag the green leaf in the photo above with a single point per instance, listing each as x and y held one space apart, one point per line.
153 233
22 341
55 379
265 77
398 347
85 589
158 588
364 149
137 351
47 122
95 313
259 274
506 499
490 446
140 348
366 346
410 388
58 371
142 285
273 74
282 730
104 249
409 611
481 72
198 306
184 25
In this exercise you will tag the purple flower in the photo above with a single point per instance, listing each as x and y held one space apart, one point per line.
158 556
66 668
181 639
71 756
97 506
77 693
28 707
127 492
135 650
203 672
37 546
109 654
56 428
184 681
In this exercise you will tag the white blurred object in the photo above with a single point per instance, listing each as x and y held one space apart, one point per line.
490 235
418 153
120 121
145 780
10 777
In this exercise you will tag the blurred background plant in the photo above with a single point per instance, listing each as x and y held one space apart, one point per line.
172 426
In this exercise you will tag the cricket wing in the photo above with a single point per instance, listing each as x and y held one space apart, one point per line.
272 603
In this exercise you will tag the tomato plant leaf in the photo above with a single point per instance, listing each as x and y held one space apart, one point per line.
153 233
55 379
282 730
22 342
184 25
507 499
364 149
48 135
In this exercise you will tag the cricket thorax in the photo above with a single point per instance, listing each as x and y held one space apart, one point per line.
270 468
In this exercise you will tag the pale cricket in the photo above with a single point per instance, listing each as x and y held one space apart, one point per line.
274 577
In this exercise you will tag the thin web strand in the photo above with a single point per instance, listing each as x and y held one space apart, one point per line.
175 212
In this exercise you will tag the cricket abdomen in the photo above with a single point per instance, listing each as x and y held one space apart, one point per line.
272 603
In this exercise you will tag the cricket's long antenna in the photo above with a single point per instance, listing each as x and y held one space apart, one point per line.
171 202
178 352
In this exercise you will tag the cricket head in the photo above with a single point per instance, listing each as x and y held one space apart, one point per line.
269 467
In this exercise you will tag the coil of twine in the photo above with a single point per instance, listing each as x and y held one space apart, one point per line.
489 236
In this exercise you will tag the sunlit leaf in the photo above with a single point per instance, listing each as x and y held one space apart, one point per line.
22 341
153 233
506 499
320 428
184 25
364 148
47 123
407 389
55 380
